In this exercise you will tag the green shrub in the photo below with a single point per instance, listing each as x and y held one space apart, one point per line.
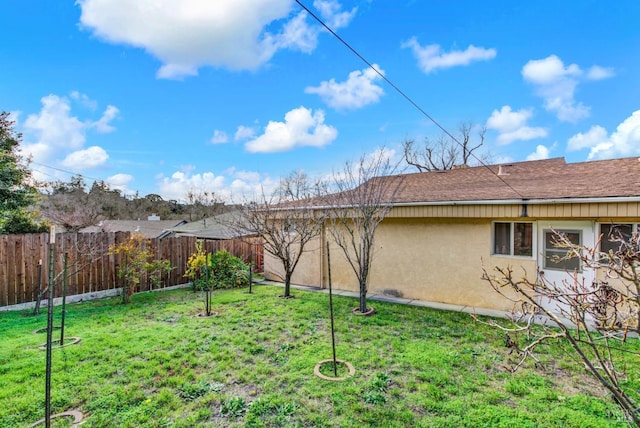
220 270
227 271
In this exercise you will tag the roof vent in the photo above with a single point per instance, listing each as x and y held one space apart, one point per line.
502 170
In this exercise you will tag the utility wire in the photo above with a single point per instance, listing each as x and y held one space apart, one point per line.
402 93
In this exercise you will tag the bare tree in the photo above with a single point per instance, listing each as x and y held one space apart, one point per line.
203 203
445 152
594 319
69 206
365 193
296 186
286 221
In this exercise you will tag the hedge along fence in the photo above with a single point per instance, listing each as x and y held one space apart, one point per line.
90 267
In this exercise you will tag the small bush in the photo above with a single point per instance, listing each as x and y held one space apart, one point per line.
220 270
228 271
233 407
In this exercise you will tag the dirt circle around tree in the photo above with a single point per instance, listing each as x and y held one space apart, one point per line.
77 416
204 314
44 329
67 342
370 311
328 363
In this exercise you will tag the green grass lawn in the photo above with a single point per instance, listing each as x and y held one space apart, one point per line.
156 363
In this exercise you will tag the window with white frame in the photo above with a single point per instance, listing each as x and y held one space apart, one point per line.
512 239
611 232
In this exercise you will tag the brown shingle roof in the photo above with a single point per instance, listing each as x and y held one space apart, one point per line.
543 179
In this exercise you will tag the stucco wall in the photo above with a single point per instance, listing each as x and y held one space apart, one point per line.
439 261
308 271
430 259
427 259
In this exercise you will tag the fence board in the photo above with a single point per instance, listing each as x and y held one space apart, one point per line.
4 298
90 266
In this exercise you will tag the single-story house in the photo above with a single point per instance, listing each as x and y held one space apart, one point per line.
152 227
446 225
220 227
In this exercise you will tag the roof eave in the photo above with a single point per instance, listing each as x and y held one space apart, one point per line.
535 201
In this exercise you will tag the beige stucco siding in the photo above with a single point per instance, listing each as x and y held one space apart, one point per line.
427 259
438 261
308 271
436 253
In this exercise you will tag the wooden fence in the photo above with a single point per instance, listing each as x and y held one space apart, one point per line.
24 262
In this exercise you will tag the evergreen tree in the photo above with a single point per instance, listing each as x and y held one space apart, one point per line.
17 196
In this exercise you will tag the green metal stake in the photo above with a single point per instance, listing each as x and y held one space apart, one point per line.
36 310
207 285
333 336
47 388
64 298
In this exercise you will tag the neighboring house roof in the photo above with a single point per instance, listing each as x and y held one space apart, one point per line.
217 227
148 228
549 179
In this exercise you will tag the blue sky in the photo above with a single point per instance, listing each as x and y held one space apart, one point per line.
168 97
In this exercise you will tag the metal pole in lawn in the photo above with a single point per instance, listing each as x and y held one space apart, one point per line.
47 388
36 310
64 298
207 286
333 336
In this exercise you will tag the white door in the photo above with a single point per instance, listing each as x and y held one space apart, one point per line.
553 271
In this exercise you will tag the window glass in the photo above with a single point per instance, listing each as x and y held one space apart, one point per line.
502 238
523 239
554 257
611 232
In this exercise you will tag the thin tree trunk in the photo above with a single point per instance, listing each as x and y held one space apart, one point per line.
363 298
287 284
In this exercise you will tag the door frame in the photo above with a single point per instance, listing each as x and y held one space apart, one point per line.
587 229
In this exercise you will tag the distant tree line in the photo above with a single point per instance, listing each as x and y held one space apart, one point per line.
75 205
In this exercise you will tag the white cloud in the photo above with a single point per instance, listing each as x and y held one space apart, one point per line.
556 84
80 160
84 100
189 34
512 125
331 12
301 127
431 57
591 138
243 132
55 137
548 70
102 124
54 126
542 152
598 73
356 92
623 142
249 176
219 137
296 34
120 182
177 186
243 184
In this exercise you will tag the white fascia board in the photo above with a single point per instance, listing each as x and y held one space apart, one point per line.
525 201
